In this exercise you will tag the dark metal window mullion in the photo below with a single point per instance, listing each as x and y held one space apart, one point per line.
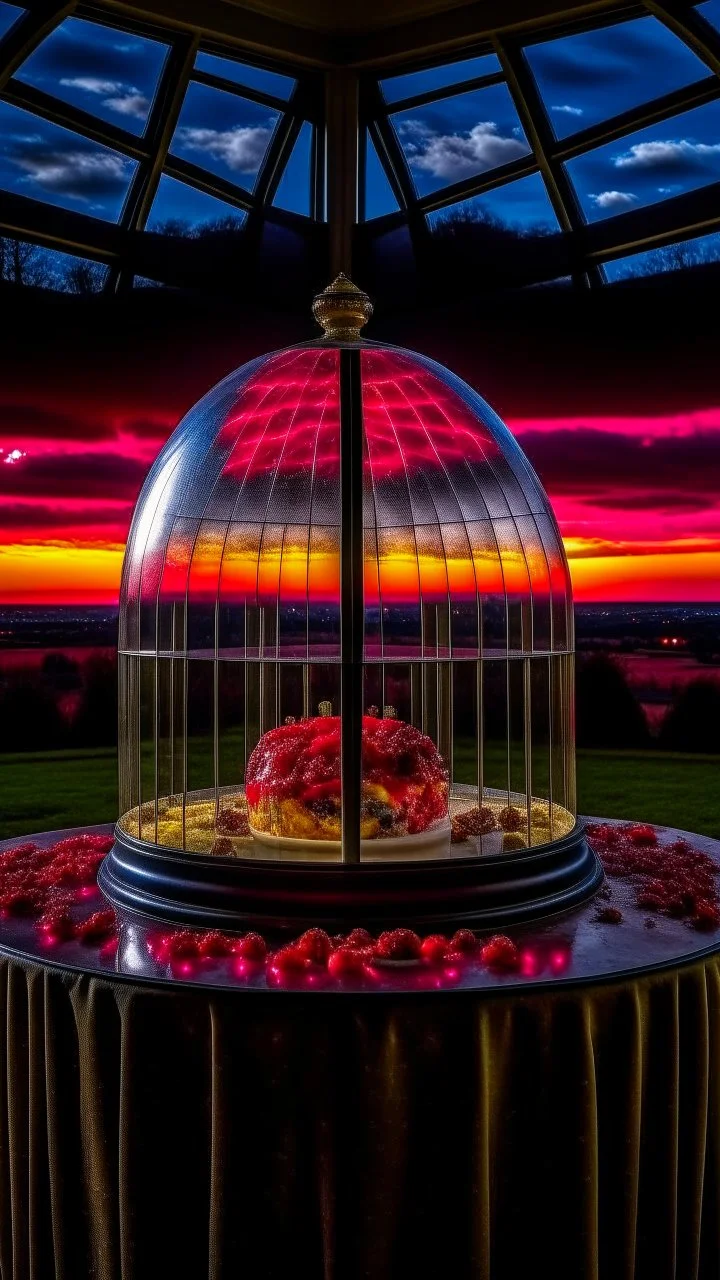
351 600
159 130
27 33
533 117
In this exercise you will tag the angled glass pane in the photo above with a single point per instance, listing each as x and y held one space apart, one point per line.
224 133
379 198
9 14
180 210
39 268
664 160
460 137
588 77
107 72
293 192
46 162
710 11
407 86
517 210
270 82
671 257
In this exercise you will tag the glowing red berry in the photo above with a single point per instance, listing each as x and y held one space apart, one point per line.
251 947
463 940
315 944
500 953
398 944
348 962
434 948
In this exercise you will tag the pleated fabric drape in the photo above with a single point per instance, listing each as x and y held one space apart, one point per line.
151 1132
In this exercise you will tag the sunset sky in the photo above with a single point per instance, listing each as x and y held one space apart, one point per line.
637 497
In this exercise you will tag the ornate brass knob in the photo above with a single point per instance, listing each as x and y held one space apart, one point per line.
342 309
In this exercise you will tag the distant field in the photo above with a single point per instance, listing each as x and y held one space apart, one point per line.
48 790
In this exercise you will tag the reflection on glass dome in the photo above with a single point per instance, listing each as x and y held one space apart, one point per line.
231 642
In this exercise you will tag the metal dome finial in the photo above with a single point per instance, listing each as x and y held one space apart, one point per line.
342 309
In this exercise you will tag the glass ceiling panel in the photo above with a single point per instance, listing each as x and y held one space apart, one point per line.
379 198
710 11
407 86
49 163
589 77
270 82
672 257
521 209
40 268
109 73
224 133
664 160
181 210
293 192
460 137
9 14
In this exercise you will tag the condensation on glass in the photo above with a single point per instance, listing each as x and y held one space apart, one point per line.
230 624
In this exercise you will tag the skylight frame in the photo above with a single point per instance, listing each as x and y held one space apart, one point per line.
119 245
588 245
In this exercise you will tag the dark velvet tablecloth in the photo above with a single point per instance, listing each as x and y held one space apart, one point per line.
152 1129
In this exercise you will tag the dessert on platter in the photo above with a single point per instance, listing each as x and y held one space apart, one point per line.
293 783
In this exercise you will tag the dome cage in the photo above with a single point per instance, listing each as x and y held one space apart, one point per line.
346 654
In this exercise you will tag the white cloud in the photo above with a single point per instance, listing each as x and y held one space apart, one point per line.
125 98
91 84
82 174
613 199
129 104
567 110
667 155
241 149
453 156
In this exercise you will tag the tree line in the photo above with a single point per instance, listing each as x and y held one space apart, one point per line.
34 713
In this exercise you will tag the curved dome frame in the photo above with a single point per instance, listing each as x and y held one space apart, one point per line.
343 527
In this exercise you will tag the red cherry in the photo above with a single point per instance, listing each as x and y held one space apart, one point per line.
434 948
290 960
315 944
463 940
56 926
348 962
215 944
706 917
643 833
251 947
99 925
359 938
500 953
182 945
398 944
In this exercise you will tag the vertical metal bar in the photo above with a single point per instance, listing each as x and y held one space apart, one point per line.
184 739
341 109
527 743
156 737
306 690
351 599
551 678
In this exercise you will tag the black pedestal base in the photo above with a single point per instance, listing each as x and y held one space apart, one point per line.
230 893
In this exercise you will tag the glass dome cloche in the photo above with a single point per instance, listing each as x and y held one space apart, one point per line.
346 653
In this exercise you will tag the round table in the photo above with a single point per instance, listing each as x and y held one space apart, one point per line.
205 1117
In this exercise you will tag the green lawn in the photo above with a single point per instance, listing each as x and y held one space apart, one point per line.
51 789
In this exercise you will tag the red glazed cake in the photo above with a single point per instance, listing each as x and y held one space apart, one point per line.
293 780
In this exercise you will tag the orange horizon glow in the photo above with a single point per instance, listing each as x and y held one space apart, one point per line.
57 574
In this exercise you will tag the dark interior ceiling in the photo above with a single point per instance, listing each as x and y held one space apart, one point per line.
374 32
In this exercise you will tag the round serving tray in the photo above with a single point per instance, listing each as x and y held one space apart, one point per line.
485 890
